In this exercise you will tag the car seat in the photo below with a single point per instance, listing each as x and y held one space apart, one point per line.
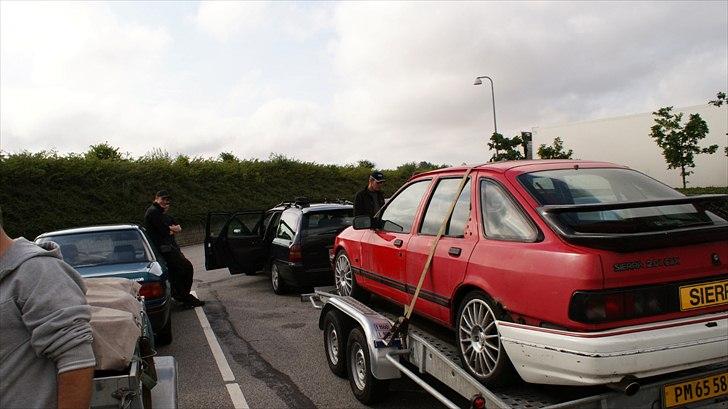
124 254
69 253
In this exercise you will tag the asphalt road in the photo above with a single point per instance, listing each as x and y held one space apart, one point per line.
273 346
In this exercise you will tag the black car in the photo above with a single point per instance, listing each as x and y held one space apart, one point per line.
291 240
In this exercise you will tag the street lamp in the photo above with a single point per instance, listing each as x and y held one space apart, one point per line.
492 94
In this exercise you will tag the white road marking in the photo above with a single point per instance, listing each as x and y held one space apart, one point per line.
237 397
236 394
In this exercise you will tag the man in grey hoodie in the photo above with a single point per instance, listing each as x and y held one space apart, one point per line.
46 359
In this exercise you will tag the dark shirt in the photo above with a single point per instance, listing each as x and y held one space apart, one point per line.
157 225
367 202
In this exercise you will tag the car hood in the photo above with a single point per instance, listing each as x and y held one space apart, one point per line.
138 271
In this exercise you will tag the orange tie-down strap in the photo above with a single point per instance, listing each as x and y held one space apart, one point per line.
400 326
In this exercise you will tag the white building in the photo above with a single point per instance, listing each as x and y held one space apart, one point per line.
626 140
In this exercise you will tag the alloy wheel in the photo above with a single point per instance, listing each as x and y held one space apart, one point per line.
479 339
342 275
275 277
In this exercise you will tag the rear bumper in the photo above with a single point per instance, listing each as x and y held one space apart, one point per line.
159 314
297 274
572 358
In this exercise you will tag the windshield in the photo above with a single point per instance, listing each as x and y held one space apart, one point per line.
583 186
327 222
102 248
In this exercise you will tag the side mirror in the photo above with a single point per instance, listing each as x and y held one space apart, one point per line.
362 223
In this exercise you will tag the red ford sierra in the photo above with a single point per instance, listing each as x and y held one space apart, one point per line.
563 272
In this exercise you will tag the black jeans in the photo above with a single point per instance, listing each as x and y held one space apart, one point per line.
180 274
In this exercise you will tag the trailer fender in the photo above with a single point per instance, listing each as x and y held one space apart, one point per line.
374 326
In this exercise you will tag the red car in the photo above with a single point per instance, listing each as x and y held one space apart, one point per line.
564 272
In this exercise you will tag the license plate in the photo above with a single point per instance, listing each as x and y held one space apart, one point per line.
703 295
695 390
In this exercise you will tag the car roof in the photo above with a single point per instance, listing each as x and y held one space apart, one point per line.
314 207
90 229
523 165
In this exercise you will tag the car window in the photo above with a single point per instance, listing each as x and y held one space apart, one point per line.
327 222
245 224
502 219
270 224
103 247
399 214
612 185
439 205
288 226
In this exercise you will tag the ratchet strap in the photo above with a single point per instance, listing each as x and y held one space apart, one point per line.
400 326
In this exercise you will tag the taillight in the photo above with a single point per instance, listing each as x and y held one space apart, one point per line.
152 290
294 254
598 307
478 402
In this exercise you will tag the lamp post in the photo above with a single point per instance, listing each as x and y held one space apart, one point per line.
492 94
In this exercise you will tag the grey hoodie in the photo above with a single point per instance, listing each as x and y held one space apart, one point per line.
44 324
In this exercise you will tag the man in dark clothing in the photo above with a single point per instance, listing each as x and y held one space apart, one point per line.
369 200
162 228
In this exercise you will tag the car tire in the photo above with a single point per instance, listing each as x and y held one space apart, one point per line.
366 388
344 279
479 345
276 280
335 343
164 337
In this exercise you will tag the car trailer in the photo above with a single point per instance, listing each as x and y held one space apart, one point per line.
356 343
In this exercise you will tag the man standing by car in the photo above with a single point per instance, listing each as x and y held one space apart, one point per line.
162 228
47 359
369 200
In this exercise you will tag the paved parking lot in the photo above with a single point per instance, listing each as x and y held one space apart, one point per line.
272 345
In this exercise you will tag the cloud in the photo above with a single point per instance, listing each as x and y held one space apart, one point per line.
406 69
338 82
69 73
224 19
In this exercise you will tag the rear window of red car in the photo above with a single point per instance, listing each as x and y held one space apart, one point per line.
612 185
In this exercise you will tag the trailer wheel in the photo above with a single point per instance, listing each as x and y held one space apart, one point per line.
335 343
479 345
367 389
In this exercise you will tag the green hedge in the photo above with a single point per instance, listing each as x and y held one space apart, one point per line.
42 192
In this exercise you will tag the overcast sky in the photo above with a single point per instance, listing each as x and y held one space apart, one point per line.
340 82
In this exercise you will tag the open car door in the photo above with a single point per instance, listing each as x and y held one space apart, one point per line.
235 241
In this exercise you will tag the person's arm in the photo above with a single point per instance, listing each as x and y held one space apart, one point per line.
359 205
54 309
74 388
157 222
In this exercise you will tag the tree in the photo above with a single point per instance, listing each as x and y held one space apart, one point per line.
103 151
719 101
227 157
679 143
505 148
555 151
365 164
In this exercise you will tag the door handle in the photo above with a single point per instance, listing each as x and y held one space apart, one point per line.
455 251
398 243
